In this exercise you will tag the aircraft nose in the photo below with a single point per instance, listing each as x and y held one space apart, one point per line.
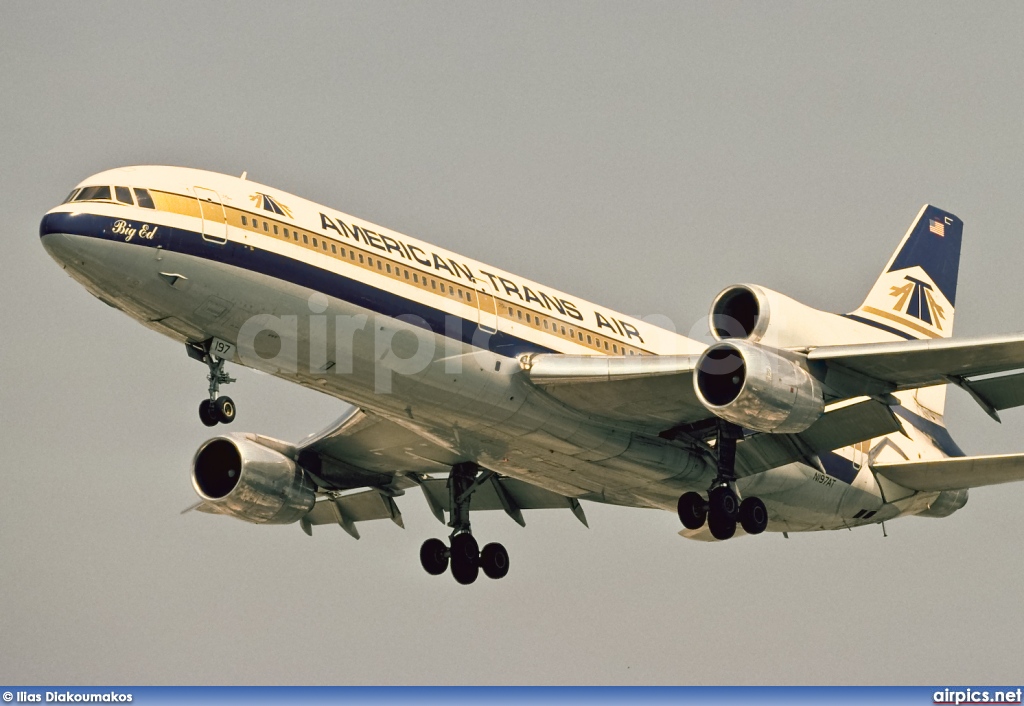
53 236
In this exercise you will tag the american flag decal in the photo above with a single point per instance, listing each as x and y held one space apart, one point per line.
937 227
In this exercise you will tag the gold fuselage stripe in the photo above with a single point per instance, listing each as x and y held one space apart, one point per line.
400 270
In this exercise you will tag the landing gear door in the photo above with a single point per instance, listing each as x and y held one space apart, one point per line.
215 219
487 312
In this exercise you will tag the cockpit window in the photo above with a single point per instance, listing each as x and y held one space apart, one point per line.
124 195
71 196
145 200
94 193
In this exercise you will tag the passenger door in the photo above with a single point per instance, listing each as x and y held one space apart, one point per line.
215 218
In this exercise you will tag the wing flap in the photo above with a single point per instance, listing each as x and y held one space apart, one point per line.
508 494
346 510
955 473
1003 392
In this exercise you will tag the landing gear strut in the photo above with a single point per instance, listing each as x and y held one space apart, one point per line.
218 409
463 555
723 508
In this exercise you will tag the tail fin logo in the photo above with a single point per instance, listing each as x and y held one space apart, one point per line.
919 301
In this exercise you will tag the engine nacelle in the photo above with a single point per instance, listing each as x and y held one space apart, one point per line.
760 315
237 476
757 388
946 503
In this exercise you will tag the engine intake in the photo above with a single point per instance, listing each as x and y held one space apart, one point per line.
757 388
237 476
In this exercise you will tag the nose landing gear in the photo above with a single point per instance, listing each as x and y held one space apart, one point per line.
218 409
464 555
723 509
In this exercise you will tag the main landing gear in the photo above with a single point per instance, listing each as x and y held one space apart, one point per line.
723 509
218 409
464 554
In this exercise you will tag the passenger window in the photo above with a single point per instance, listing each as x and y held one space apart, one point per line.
588 339
606 345
323 244
378 265
144 199
315 243
369 261
528 319
124 195
545 323
295 235
94 193
519 314
245 221
389 269
334 249
265 228
406 273
433 284
563 330
286 234
615 349
415 278
460 294
580 334
469 297
305 239
361 258
511 311
275 230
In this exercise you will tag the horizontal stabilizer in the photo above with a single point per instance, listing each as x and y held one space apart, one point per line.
843 424
955 473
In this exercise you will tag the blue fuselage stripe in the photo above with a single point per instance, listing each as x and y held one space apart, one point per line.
333 284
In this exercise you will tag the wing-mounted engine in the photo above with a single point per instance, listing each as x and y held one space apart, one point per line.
758 388
237 476
760 315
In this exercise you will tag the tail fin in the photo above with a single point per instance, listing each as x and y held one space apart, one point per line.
915 296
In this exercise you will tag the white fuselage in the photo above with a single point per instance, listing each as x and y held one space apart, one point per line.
426 338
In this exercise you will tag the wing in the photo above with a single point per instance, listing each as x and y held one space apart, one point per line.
362 462
652 392
955 473
869 368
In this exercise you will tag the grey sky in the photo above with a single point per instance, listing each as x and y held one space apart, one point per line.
642 156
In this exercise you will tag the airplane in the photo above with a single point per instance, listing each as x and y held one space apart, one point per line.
488 391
